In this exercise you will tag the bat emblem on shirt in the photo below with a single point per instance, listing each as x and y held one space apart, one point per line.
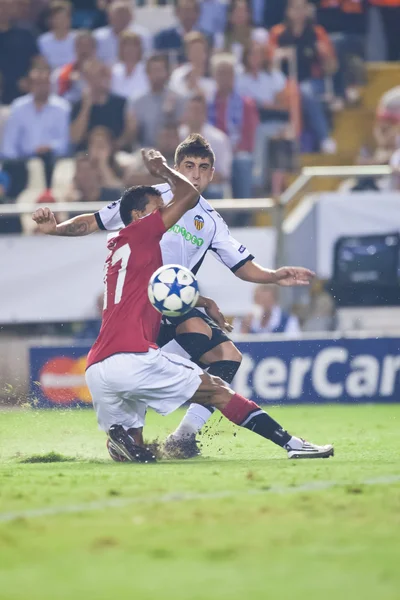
198 222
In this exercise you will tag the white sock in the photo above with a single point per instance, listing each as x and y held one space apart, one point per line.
192 422
295 443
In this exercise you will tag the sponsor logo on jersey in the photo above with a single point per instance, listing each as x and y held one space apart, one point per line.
189 237
113 204
242 249
199 222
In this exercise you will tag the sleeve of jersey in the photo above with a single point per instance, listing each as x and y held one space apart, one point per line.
228 250
108 218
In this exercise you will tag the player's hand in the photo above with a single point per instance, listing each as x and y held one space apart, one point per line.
287 276
155 162
213 311
45 220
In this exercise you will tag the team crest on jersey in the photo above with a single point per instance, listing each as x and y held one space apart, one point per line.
198 222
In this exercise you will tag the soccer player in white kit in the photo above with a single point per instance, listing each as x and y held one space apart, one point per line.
201 229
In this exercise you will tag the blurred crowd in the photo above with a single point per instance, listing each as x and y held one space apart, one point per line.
84 87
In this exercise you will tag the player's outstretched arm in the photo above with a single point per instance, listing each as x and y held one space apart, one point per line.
285 276
78 226
185 194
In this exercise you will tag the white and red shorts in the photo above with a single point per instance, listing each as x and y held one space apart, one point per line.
124 385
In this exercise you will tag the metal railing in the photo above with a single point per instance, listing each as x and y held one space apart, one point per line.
309 173
245 204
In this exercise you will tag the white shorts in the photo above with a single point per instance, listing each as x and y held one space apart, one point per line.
124 385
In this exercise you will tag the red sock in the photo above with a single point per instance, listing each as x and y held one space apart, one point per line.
239 408
248 414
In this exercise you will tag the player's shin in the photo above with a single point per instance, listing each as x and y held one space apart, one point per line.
248 414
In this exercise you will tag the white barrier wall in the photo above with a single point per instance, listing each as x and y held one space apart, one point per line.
50 279
314 226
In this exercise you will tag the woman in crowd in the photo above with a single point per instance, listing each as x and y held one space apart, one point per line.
239 30
129 78
191 78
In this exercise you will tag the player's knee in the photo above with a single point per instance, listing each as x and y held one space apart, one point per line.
224 351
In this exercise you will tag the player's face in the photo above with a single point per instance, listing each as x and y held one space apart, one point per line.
198 170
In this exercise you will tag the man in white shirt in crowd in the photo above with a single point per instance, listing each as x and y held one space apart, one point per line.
38 126
267 316
120 18
58 44
195 121
38 122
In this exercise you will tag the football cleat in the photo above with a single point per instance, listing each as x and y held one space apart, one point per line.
185 447
113 452
309 450
122 443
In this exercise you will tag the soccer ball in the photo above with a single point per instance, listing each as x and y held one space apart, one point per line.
173 290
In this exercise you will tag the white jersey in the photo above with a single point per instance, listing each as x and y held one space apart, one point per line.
187 242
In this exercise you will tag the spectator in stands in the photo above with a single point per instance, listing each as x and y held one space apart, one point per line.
239 30
167 142
267 316
195 121
128 77
390 15
58 44
37 127
346 23
159 106
101 153
212 18
299 42
191 78
237 116
68 81
86 186
268 90
171 40
17 49
100 107
120 18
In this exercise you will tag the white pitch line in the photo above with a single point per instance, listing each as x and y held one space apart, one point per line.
312 486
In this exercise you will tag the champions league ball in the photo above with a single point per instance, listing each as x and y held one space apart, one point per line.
173 290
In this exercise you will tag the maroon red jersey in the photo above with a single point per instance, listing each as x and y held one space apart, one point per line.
130 323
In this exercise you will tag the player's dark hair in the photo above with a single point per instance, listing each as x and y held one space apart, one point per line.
135 198
194 145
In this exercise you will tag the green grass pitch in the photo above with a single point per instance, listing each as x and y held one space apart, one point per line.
241 522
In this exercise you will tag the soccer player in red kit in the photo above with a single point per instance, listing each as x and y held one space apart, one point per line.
126 371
